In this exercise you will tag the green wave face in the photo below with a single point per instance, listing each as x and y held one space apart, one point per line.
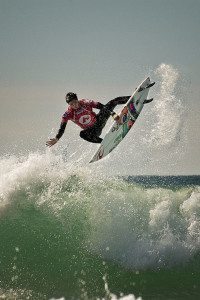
66 234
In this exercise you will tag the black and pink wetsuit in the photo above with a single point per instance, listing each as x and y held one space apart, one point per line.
91 123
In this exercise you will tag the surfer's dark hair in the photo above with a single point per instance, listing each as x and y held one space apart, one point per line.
71 96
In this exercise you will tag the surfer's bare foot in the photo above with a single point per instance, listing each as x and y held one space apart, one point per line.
117 119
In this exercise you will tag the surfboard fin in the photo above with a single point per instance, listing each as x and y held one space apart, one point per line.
146 87
148 101
150 85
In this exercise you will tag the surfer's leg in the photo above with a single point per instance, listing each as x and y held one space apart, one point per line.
102 118
90 135
107 111
116 101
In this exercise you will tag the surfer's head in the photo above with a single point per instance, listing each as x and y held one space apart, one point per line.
70 97
72 100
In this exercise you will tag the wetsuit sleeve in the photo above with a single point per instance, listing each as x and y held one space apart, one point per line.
61 130
66 116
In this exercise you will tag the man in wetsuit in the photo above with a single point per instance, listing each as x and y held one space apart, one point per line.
81 113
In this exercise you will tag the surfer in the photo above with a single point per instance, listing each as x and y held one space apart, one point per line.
81 113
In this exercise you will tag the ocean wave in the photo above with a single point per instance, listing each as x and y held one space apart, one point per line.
134 225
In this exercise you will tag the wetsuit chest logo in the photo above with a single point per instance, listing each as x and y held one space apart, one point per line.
86 119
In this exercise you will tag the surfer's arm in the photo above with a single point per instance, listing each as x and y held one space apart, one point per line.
65 118
61 130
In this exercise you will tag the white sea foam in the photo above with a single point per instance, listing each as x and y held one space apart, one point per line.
143 228
168 109
191 211
110 295
136 226
18 294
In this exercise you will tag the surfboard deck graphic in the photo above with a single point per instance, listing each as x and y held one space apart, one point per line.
128 117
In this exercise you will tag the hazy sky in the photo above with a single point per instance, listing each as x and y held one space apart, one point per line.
97 48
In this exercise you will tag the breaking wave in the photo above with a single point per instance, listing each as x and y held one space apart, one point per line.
54 219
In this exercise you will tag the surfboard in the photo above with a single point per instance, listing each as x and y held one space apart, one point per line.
128 117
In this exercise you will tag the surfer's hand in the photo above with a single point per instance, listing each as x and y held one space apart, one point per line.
51 142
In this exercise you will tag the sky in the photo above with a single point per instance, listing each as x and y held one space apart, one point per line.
98 49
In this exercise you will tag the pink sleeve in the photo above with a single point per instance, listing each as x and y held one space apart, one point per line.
66 117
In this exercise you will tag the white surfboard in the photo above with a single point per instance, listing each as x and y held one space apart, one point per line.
128 116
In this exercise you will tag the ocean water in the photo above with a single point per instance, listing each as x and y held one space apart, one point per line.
65 234
73 230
